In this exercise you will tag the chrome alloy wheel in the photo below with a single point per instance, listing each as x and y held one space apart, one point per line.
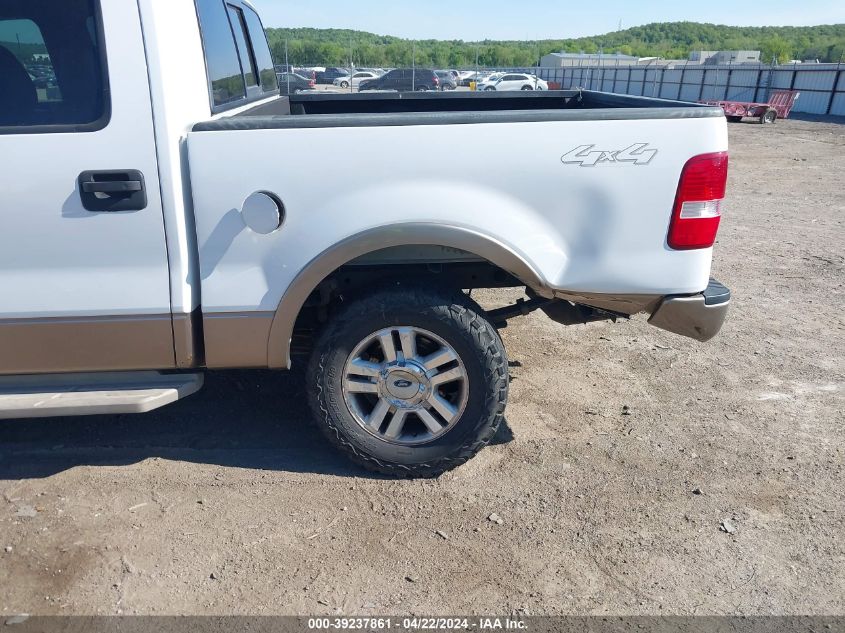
405 385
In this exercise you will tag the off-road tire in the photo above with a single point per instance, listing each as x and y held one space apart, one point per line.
455 318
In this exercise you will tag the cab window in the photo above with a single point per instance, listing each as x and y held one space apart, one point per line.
221 57
52 72
263 56
236 17
238 60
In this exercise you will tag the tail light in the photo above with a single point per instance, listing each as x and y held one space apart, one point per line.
311 84
698 204
436 80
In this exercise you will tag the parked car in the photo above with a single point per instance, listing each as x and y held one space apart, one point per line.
155 229
515 81
330 74
466 76
483 80
354 80
308 73
304 72
447 80
291 83
403 80
454 74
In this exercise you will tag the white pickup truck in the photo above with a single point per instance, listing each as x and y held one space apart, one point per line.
162 216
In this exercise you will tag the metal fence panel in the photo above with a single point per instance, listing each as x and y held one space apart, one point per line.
622 78
782 78
740 93
693 75
812 102
815 80
838 106
690 92
670 91
672 75
744 77
714 85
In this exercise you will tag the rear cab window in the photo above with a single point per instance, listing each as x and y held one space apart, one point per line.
261 48
52 67
247 58
238 59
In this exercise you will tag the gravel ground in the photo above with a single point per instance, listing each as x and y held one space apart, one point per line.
230 502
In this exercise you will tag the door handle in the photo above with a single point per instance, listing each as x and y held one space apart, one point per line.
117 186
113 190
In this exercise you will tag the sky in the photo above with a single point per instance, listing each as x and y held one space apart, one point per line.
535 19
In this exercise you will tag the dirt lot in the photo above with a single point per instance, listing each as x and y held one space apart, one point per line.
231 503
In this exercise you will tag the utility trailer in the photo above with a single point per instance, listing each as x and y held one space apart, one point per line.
778 107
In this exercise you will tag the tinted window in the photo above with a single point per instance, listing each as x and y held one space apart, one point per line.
263 57
244 50
221 56
50 67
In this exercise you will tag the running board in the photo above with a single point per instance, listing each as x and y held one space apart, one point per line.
54 395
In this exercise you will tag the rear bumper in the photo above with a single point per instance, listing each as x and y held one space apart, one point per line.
696 316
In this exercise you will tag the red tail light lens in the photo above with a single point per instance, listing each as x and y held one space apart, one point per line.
698 204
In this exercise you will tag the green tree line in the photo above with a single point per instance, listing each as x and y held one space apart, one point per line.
669 40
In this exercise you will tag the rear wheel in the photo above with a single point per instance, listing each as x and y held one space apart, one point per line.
770 116
409 382
527 88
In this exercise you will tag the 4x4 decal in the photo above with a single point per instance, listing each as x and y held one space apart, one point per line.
587 156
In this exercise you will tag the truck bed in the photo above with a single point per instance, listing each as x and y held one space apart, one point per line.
394 108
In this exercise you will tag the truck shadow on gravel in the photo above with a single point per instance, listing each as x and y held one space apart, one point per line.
240 419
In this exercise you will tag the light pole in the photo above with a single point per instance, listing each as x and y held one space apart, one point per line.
287 66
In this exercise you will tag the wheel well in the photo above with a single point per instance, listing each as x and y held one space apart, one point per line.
450 240
361 276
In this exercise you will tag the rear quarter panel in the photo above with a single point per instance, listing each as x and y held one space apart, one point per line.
597 229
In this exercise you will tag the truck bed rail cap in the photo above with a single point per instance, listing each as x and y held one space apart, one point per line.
451 118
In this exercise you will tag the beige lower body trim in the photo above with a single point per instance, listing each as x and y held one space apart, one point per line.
236 339
79 344
187 339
